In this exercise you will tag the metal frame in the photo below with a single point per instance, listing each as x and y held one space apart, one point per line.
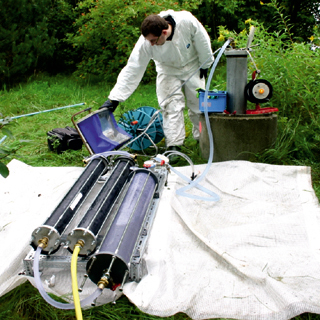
62 258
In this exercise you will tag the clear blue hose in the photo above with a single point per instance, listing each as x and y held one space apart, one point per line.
194 183
45 296
106 154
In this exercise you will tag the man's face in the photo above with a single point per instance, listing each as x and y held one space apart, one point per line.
154 40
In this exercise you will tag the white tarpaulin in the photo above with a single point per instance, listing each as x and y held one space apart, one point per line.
255 254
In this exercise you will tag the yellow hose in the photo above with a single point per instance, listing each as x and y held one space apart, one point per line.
75 292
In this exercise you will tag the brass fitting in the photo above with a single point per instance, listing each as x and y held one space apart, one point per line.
85 161
42 243
80 243
103 283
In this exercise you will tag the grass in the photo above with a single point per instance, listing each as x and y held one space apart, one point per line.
29 133
25 302
29 144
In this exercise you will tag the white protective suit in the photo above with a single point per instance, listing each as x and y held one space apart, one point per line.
175 61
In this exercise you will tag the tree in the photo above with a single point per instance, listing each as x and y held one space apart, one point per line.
24 36
302 15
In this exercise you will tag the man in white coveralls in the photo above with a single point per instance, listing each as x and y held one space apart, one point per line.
179 45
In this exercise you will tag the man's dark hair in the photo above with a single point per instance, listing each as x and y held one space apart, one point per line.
153 24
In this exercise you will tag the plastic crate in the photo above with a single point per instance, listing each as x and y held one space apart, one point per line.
217 101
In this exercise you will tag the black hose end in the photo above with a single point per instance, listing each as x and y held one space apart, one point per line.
193 176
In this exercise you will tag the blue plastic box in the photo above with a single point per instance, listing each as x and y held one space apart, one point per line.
217 101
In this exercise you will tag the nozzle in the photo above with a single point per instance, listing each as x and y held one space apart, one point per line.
103 283
42 243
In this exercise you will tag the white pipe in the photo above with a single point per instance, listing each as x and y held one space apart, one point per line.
2 139
43 111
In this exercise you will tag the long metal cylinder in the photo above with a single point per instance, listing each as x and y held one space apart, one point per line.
236 80
62 215
117 248
89 227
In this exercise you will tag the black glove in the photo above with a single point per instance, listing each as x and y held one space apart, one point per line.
203 73
110 105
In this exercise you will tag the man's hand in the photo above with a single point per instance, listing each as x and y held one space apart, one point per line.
110 105
203 73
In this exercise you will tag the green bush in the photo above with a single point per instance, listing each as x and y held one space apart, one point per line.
24 37
61 15
107 31
293 70
32 38
302 15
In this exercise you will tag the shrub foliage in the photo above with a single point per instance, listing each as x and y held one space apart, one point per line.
97 36
24 36
107 31
293 70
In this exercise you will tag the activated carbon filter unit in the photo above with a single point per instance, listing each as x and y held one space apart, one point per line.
111 263
89 227
63 214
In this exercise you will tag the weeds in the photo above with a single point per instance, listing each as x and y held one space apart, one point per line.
293 70
25 302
